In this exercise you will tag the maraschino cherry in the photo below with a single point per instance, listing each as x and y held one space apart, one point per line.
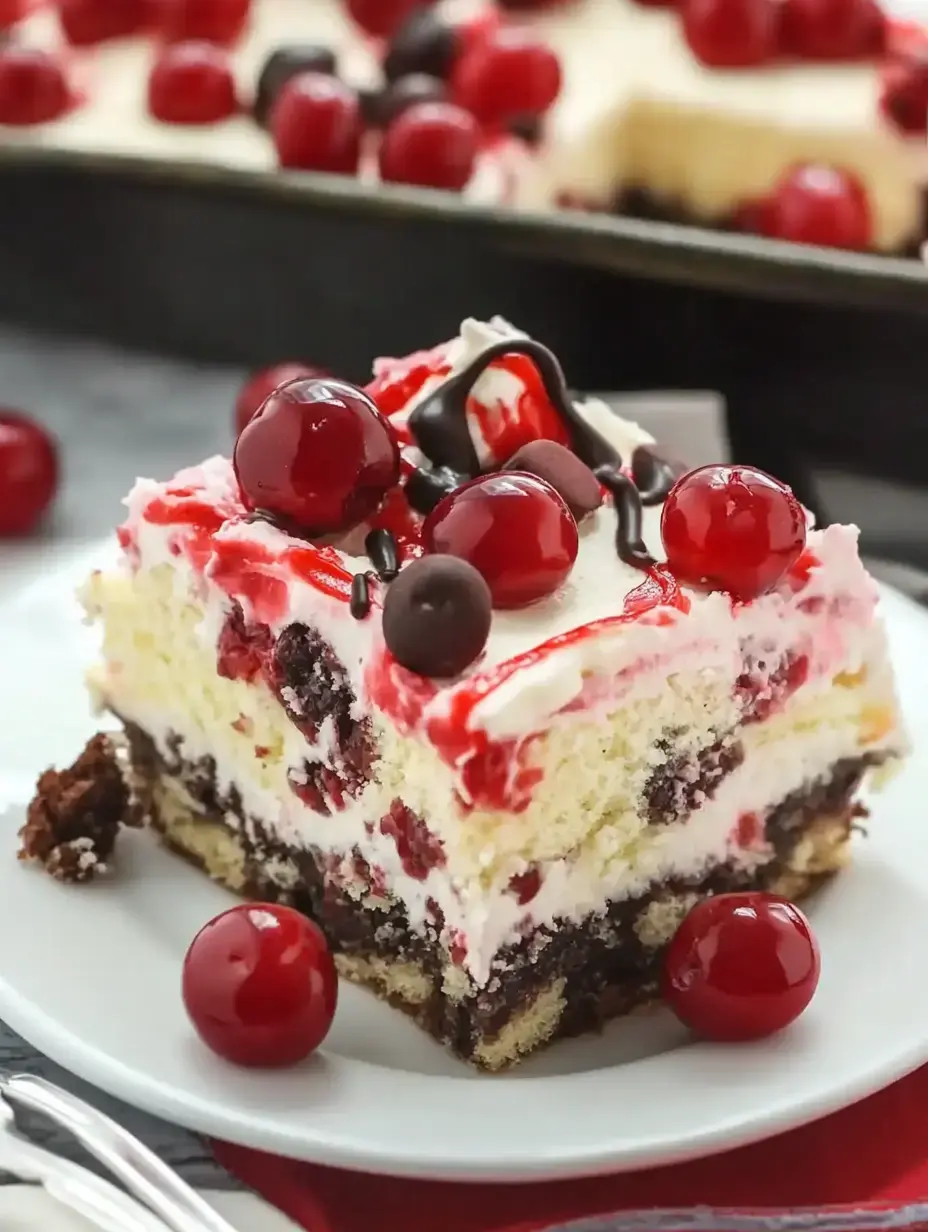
317 125
192 83
513 528
904 98
259 985
731 33
260 386
28 473
832 29
814 204
433 145
732 528
741 966
381 18
506 74
33 86
318 455
210 21
86 22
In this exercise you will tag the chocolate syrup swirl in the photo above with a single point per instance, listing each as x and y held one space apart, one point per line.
440 428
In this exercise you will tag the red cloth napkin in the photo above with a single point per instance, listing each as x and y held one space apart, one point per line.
873 1152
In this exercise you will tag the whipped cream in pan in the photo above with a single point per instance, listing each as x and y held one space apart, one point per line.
637 110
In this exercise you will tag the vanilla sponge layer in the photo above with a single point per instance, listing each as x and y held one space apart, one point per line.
585 829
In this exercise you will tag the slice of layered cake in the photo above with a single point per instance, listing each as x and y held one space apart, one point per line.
462 668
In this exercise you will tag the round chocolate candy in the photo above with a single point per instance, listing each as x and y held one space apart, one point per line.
284 63
393 100
436 616
424 43
572 479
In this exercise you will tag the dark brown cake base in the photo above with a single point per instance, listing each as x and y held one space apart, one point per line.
554 983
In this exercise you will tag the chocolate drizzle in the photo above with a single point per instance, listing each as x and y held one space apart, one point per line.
360 602
383 552
440 428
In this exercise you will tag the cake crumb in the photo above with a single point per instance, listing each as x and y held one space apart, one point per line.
76 814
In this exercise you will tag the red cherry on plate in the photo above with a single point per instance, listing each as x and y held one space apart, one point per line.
904 98
430 144
822 205
831 29
732 528
381 18
741 966
260 385
86 22
192 83
317 125
318 455
513 528
259 985
508 73
209 21
33 86
28 472
731 33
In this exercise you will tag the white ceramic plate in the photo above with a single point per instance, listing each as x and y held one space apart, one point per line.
91 975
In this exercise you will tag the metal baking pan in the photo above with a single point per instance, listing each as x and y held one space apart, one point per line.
819 355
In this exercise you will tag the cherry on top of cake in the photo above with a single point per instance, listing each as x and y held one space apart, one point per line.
467 477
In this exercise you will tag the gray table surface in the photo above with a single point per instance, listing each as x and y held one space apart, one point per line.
117 413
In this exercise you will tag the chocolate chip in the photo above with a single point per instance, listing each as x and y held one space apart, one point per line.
284 63
396 97
424 43
436 616
571 478
427 485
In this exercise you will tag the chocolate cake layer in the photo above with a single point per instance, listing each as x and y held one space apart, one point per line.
556 982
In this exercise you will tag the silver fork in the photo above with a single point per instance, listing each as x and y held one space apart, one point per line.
178 1208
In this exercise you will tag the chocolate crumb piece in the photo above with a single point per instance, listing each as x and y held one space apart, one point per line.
76 814
360 602
381 547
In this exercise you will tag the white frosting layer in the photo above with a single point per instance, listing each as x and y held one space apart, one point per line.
637 109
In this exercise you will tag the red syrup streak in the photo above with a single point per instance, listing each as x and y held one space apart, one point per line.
496 774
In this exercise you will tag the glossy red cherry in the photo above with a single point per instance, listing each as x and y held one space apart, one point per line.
28 472
731 33
259 985
831 29
381 18
317 125
741 966
319 455
260 385
86 22
904 97
508 73
209 21
732 528
430 144
513 528
12 11
818 205
192 83
33 86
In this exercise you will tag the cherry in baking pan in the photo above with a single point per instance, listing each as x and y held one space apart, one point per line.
904 97
433 145
284 63
732 528
741 966
317 125
318 455
817 204
509 72
212 21
514 529
192 83
87 22
832 29
259 985
732 33
33 86
28 473
260 385
437 616
381 18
